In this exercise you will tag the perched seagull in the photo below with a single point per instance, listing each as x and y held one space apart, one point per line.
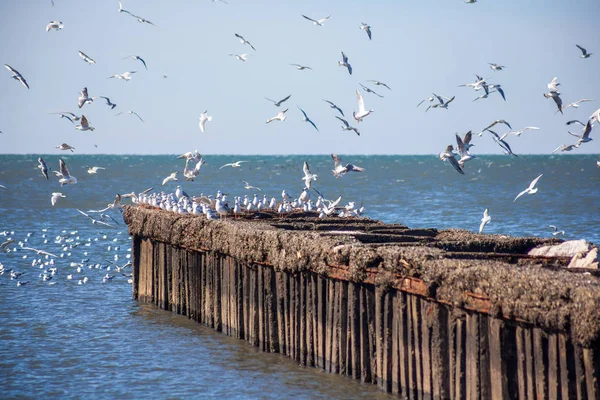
244 41
448 155
279 117
203 118
301 67
553 85
132 113
43 167
339 169
247 186
84 98
16 75
278 103
485 220
576 104
332 105
93 170
54 25
347 126
365 27
308 176
502 143
241 57
317 22
345 63
377 83
65 146
86 58
172 177
585 135
531 189
564 147
68 115
496 67
137 58
108 102
306 119
362 112
236 164
496 122
126 76
584 53
64 172
55 197
555 230
366 89
84 125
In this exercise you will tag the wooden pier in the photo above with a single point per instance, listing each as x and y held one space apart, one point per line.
421 313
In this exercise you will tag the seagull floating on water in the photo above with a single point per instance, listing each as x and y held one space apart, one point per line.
317 22
54 25
16 75
531 189
86 58
203 118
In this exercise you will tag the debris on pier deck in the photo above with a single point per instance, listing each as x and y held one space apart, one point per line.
423 313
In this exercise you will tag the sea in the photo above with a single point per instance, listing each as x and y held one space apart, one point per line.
66 338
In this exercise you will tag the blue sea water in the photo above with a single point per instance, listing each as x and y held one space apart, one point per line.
62 339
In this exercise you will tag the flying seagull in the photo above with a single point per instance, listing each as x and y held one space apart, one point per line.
362 112
54 25
564 147
496 122
366 89
332 105
94 220
55 196
84 125
43 167
339 169
131 113
485 220
137 58
317 22
236 164
244 41
377 83
203 118
553 85
496 67
345 63
278 103
502 143
279 117
65 146
16 75
584 53
531 189
555 230
126 76
84 98
443 102
247 186
576 104
518 132
585 135
241 57
429 99
172 177
86 58
448 155
463 150
365 27
108 102
306 119
69 116
556 97
301 67
64 172
347 126
93 170
308 176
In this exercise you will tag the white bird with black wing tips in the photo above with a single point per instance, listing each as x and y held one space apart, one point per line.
345 63
584 53
365 27
306 119
339 169
318 22
244 41
347 126
86 58
278 103
448 155
137 58
43 167
16 75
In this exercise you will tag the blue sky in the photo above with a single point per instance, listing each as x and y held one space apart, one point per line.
418 48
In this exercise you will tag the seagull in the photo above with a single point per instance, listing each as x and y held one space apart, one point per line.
39 252
172 177
203 118
108 102
502 143
279 117
17 75
241 57
485 95
496 67
485 220
467 140
244 41
236 164
306 119
576 104
345 63
462 150
584 53
365 27
278 103
442 103
339 169
498 121
68 115
94 220
498 89
531 189
347 126
377 83
448 155
332 105
429 99
64 172
55 197
190 174
247 186
362 112
308 176
553 85
137 58
301 67
555 230
317 22
93 170
43 167
65 146
366 89
222 208
84 125
84 98
564 147
132 113
518 133
585 135
54 25
192 156
126 76
86 58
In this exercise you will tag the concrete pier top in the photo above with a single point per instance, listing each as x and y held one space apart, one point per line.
490 274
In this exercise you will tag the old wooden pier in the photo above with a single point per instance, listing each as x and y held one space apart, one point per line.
419 312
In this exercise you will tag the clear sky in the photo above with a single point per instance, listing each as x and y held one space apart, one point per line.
418 47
